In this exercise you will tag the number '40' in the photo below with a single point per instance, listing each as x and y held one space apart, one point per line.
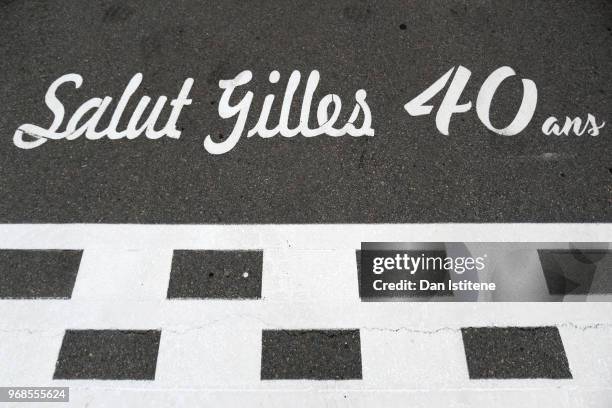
450 106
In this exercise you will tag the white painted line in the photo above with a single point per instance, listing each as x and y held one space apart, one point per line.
307 236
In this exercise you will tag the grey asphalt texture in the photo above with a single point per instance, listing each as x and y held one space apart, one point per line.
37 274
108 355
515 352
406 173
216 274
311 354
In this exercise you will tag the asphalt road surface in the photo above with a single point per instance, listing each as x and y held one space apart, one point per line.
407 173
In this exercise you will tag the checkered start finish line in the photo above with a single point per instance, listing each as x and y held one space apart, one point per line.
509 352
270 315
